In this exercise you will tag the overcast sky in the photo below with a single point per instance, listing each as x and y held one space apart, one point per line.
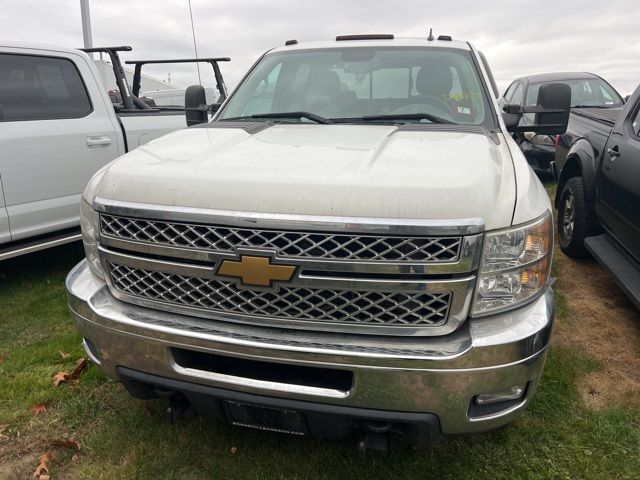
518 38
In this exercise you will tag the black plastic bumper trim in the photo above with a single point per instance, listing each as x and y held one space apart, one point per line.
323 420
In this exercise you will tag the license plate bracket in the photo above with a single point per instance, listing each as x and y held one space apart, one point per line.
263 417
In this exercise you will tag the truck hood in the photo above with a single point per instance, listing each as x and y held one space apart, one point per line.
338 170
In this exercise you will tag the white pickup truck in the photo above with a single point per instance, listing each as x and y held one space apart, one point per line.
354 243
58 127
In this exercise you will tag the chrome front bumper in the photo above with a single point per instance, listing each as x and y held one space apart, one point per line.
436 375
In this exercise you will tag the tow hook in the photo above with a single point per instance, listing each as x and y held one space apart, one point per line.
179 407
374 436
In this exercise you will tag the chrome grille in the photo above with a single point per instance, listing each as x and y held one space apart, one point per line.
289 303
338 246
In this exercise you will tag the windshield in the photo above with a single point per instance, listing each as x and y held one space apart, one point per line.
585 92
351 84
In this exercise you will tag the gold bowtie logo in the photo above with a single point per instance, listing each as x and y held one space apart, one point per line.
256 271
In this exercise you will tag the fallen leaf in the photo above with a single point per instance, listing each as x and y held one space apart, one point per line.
3 438
63 376
81 366
75 458
60 377
69 444
42 469
64 354
37 409
3 357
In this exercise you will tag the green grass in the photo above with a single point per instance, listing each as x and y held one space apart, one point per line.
551 187
124 438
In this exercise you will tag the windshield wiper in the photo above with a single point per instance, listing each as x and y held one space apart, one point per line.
308 115
400 116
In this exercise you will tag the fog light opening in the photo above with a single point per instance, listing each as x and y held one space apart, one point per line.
512 393
496 403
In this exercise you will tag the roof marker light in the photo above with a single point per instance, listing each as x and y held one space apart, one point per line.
372 36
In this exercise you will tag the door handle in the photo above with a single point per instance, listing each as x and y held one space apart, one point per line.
101 141
613 152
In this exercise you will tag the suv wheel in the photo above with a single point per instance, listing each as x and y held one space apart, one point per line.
573 221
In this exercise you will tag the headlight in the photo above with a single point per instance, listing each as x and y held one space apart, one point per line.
515 266
89 222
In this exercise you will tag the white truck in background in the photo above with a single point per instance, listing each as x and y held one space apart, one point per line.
58 126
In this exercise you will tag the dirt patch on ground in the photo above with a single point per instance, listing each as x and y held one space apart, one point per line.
604 324
19 467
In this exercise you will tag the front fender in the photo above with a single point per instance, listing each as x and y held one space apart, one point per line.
582 161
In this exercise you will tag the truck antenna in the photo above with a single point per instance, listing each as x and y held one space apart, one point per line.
195 46
430 37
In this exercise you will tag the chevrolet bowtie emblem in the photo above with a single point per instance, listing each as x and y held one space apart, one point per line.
256 271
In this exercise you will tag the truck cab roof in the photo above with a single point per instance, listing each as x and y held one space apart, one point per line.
6 43
556 77
376 43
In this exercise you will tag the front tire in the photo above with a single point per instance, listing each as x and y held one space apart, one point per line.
573 219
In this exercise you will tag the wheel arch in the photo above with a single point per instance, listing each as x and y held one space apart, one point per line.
581 162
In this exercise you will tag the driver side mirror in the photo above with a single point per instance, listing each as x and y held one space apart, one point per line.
551 112
195 105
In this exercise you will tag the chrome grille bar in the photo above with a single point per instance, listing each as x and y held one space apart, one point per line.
317 245
293 303
324 303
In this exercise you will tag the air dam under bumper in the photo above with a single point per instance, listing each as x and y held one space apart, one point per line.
438 377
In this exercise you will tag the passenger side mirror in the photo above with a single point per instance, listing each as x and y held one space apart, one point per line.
512 108
195 105
555 99
511 114
551 112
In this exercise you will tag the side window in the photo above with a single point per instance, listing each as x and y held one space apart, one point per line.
263 93
41 88
301 77
518 95
608 99
391 83
267 86
635 124
582 93
509 93
455 93
532 94
359 83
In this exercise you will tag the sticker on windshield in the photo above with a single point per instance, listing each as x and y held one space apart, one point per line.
465 110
